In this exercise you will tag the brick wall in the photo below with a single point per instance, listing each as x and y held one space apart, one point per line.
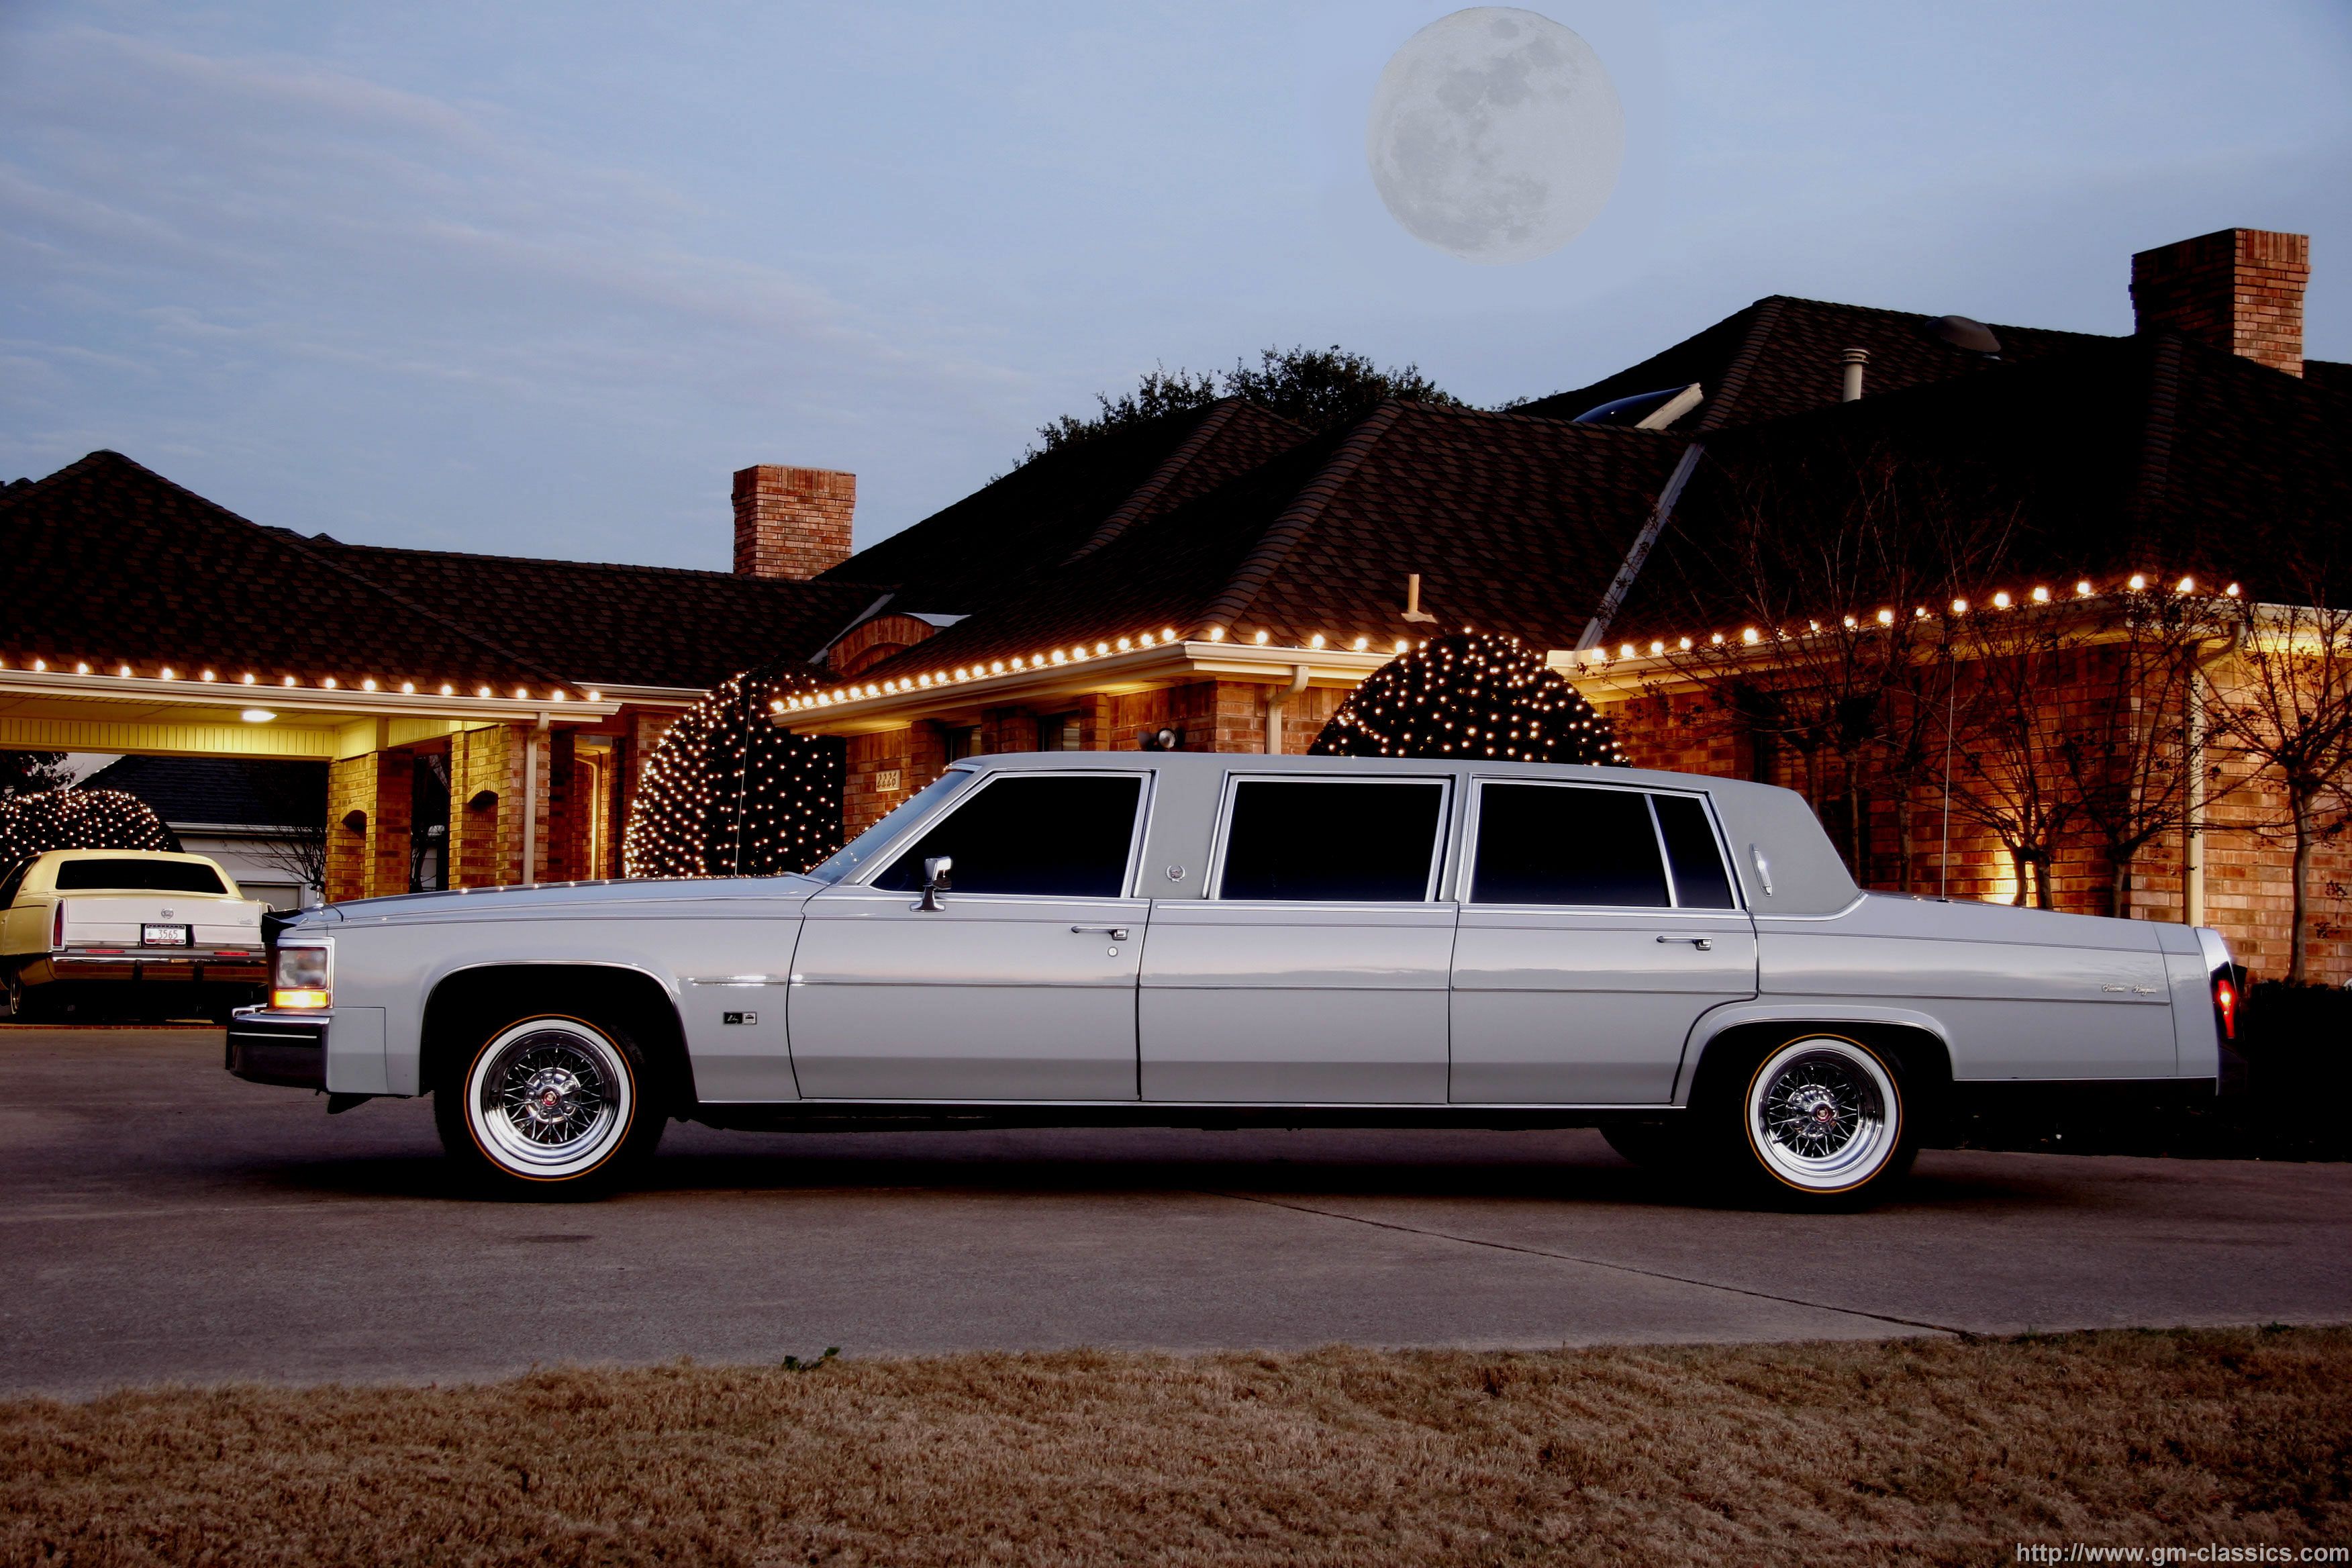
2239 289
371 859
792 522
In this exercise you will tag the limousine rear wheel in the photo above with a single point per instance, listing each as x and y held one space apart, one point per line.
548 1105
1824 1123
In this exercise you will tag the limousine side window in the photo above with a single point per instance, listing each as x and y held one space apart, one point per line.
1066 835
1551 844
1700 880
1358 840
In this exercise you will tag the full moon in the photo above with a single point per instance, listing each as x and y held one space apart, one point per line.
1495 135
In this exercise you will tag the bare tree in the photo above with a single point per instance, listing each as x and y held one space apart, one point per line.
2016 662
2123 736
1819 577
2285 704
295 797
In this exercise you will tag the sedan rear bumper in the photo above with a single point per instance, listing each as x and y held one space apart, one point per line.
272 1047
146 969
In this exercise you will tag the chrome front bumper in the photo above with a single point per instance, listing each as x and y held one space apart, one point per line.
286 1049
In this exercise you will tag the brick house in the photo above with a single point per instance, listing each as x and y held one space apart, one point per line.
1220 580
483 720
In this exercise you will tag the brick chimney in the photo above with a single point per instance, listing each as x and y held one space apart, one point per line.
792 522
2237 289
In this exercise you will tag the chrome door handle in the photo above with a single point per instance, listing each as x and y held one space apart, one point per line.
1116 933
1704 945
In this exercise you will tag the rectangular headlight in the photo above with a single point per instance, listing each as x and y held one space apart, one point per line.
303 977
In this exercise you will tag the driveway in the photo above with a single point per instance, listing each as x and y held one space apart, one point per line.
165 1221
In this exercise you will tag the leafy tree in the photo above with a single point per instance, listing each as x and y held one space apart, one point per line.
1318 388
30 773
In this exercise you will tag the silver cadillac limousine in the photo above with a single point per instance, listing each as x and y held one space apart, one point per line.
1214 940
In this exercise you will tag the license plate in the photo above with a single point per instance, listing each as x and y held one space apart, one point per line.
163 936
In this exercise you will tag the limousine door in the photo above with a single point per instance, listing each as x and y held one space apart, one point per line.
1019 985
1315 970
1600 924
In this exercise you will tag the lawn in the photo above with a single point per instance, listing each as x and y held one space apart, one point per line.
1913 1451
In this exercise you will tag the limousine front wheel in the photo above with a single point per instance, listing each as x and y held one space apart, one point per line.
1825 1123
547 1106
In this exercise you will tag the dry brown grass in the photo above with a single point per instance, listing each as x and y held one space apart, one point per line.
1929 1451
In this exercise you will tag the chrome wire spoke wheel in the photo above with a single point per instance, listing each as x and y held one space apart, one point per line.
550 1098
1824 1114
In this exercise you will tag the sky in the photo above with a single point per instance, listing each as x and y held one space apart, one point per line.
535 279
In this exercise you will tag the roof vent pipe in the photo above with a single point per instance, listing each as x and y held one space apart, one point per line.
1850 390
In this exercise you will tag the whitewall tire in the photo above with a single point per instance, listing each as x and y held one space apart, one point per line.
547 1105
1824 1122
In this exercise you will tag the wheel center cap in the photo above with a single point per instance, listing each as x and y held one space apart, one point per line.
549 1095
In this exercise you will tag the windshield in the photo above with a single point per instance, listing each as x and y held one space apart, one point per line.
878 838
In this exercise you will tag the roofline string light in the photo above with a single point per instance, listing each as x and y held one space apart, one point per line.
368 684
2002 599
1059 657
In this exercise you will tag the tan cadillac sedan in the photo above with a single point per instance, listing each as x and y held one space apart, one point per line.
90 933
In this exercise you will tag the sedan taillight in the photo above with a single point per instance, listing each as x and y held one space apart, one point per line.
57 927
2225 1006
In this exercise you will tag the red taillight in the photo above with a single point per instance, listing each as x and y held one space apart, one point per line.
57 927
2225 1006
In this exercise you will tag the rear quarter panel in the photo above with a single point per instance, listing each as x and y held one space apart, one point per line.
2017 993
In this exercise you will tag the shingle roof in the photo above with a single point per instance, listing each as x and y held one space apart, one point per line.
221 791
1783 355
2147 454
1515 524
1066 502
618 625
110 562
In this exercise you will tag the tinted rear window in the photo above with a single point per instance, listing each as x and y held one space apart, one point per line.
1060 835
1358 840
1700 880
128 875
1546 844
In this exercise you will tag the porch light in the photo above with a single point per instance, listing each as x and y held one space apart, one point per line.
256 715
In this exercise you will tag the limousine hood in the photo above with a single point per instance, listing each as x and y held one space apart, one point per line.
474 902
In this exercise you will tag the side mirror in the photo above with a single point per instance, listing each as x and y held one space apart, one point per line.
935 879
